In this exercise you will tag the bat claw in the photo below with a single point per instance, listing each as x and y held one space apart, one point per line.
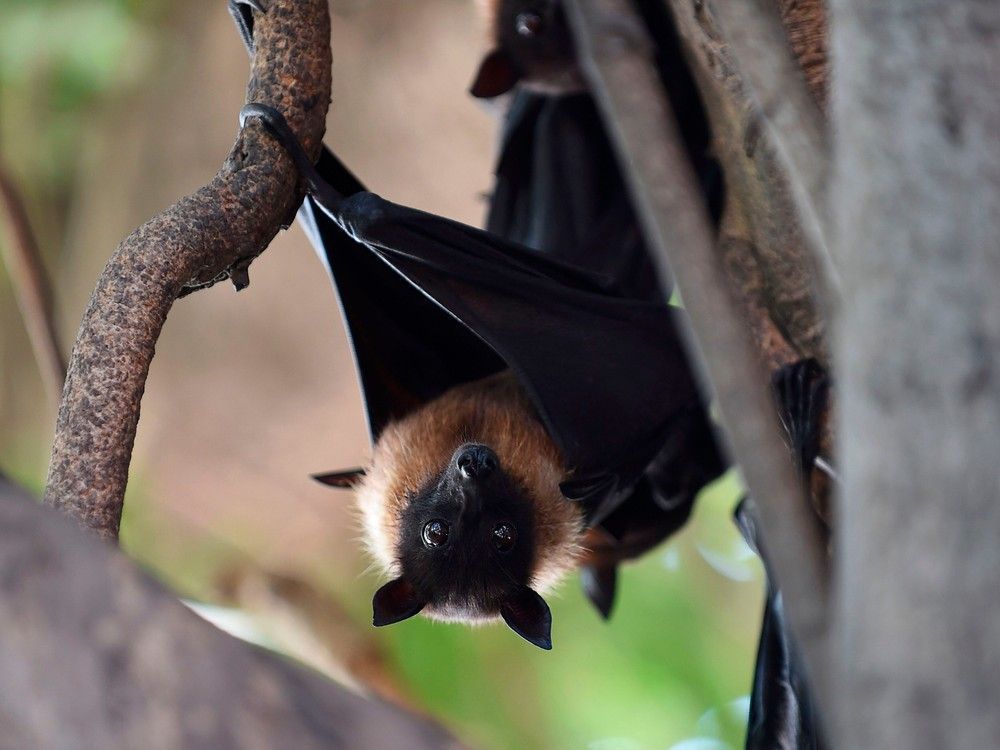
801 390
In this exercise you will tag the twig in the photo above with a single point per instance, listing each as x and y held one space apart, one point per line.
754 31
31 286
205 237
616 52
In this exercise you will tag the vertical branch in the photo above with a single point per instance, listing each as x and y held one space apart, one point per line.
759 196
754 31
916 202
205 237
30 283
616 52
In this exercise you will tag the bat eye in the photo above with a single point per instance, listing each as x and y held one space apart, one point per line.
504 537
529 24
435 533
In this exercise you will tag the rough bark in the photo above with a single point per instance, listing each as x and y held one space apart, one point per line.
758 188
208 236
777 83
916 201
96 655
616 53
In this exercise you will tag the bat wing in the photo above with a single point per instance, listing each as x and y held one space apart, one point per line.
782 709
559 190
431 303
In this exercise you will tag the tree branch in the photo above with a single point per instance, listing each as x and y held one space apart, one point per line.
759 198
616 52
205 237
30 282
94 654
754 31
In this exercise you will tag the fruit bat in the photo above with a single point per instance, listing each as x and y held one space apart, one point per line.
554 386
533 50
444 368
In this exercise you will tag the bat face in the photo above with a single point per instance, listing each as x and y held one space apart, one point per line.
462 506
533 46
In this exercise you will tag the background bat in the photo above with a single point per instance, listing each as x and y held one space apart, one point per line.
532 45
559 190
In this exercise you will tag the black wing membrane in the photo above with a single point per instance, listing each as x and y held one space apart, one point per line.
558 190
782 711
431 303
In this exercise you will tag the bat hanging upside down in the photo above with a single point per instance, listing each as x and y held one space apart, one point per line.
461 505
482 485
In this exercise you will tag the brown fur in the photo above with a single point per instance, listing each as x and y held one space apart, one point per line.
496 413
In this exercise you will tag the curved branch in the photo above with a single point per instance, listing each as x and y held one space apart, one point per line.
31 286
210 235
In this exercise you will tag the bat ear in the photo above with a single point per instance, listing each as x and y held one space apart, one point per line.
528 615
345 480
497 75
395 602
600 584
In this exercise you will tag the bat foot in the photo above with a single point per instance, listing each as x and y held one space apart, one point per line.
278 126
802 390
242 13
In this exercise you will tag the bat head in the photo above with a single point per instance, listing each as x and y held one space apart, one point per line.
465 550
533 45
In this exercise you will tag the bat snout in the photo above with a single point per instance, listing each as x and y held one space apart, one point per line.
475 462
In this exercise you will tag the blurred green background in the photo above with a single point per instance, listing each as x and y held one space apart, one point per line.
112 109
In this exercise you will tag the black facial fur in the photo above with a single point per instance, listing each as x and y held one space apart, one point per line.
466 538
466 550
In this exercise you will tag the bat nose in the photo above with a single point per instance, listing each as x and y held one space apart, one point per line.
475 462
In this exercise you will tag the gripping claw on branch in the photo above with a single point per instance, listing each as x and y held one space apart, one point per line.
801 390
318 187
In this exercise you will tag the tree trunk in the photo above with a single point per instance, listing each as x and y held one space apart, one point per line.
916 206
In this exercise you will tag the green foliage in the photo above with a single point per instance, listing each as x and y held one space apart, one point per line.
56 58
